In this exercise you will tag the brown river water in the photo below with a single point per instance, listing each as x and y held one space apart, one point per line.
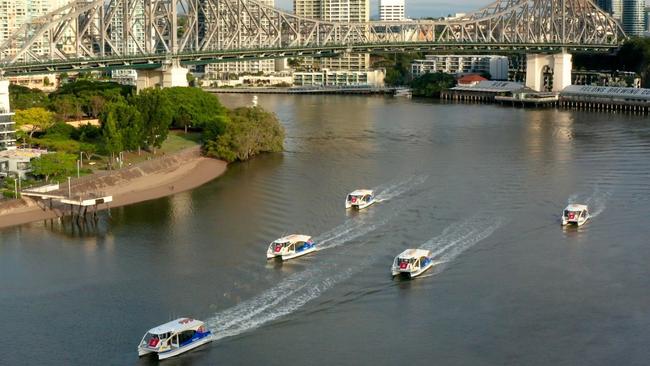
481 186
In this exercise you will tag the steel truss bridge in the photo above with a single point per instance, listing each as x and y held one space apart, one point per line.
109 34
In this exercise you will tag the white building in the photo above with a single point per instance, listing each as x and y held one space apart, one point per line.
15 13
496 66
338 11
18 162
391 10
7 125
339 78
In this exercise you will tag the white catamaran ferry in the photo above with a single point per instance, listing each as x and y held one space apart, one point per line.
575 214
360 199
412 263
173 338
290 246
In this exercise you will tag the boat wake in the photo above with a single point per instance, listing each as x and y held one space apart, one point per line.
298 289
281 300
387 192
363 224
597 201
456 239
352 229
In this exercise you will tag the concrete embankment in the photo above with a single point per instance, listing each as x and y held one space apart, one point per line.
148 180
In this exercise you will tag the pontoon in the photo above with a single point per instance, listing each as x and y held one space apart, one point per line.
173 338
575 214
412 263
360 199
291 246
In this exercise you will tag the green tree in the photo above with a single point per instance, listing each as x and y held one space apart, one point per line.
22 97
156 110
67 107
93 104
193 106
634 56
129 123
250 131
191 79
111 136
398 67
34 119
59 165
431 84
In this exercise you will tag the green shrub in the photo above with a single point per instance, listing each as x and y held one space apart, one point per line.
248 132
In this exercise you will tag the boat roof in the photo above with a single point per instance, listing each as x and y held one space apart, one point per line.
361 192
177 325
576 207
414 253
293 238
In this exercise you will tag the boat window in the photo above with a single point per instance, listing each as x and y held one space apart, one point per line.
148 337
566 213
349 197
185 337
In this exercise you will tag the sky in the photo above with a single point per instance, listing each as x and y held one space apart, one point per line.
422 8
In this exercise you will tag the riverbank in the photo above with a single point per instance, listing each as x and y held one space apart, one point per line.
165 176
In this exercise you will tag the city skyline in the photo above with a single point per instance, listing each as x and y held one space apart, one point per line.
421 8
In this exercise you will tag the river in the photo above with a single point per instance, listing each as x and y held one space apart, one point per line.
482 186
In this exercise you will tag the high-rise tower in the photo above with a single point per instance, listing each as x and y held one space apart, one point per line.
633 17
391 10
338 11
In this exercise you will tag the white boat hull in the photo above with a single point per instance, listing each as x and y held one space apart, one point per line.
410 273
143 351
577 222
357 205
176 351
285 257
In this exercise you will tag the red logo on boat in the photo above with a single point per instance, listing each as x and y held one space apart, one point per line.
403 265
354 199
571 215
278 248
153 342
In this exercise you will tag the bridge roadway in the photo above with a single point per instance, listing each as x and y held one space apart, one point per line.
158 60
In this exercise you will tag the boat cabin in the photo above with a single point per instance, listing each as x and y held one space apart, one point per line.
173 336
360 196
412 260
575 213
290 246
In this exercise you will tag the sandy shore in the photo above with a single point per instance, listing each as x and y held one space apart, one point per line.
153 179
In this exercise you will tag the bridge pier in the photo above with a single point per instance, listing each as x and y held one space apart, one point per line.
561 65
167 76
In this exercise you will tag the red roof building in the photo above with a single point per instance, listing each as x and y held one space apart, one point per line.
470 79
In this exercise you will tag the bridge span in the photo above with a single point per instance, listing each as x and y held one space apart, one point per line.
83 36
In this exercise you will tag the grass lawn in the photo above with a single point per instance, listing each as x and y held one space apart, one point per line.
179 140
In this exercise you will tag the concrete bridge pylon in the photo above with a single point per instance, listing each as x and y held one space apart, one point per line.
560 63
167 76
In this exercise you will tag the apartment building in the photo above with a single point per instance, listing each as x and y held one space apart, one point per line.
496 66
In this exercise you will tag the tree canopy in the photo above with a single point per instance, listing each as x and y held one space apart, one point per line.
157 112
248 132
54 165
34 119
431 84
